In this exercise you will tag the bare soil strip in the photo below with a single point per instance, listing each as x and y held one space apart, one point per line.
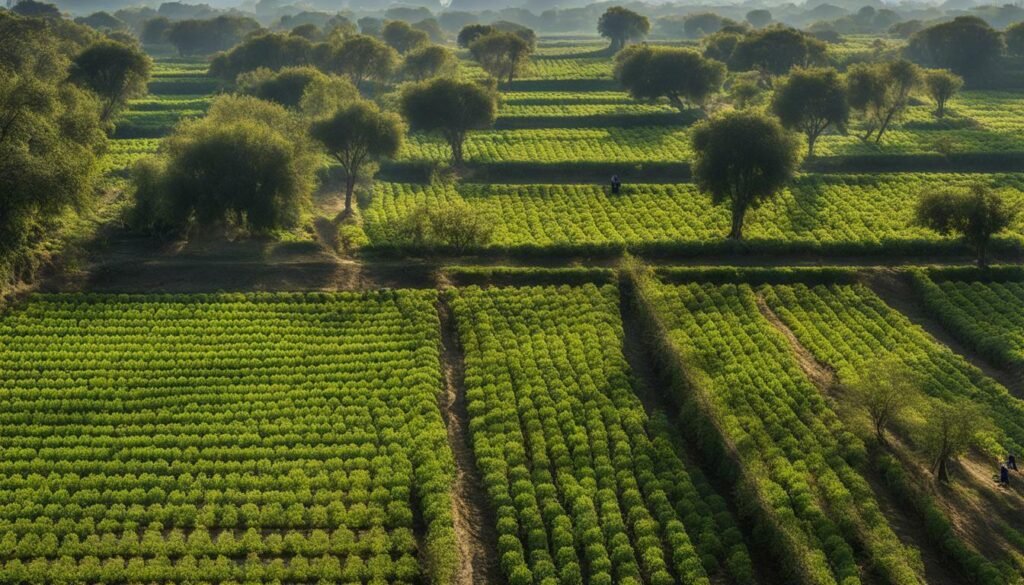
475 523
908 529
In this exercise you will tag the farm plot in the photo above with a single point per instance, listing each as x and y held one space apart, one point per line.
123 153
988 316
819 212
155 116
849 328
796 461
587 488
186 438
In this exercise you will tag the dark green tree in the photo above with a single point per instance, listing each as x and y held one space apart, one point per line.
811 101
205 37
472 32
361 59
975 215
402 37
114 72
967 46
775 50
681 75
357 135
269 51
501 54
427 62
285 87
882 92
1014 37
450 108
102 21
759 18
621 26
743 158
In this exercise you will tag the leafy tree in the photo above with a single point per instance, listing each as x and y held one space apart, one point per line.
325 95
501 54
942 85
113 71
308 31
975 215
721 45
949 431
621 25
967 46
285 87
811 101
50 135
432 28
885 391
247 164
370 26
357 135
759 18
882 92
453 224
451 108
155 31
744 93
427 62
703 24
402 37
681 75
472 32
519 30
1014 36
272 51
775 50
204 37
362 59
906 29
742 158
102 21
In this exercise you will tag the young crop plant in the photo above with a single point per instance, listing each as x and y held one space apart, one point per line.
586 487
224 438
795 462
848 327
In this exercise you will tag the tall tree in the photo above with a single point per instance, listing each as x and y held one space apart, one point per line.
1014 37
759 18
811 101
362 59
948 433
501 54
882 92
472 32
402 37
743 158
622 25
682 76
775 50
113 71
975 215
427 62
942 85
357 135
285 87
450 108
884 391
967 46
204 37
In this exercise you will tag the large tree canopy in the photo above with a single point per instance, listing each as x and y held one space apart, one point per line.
113 71
775 50
427 62
975 215
811 101
967 45
356 135
882 92
205 37
285 87
683 76
450 108
270 51
502 54
361 59
622 25
743 158
402 37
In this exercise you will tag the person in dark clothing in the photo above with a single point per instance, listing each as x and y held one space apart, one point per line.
1004 475
616 184
1011 462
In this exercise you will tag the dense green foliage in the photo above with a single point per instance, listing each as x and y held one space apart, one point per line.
223 437
586 487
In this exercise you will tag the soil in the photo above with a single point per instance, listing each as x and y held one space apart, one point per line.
475 532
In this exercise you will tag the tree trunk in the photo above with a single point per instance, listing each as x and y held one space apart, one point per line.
982 256
941 108
941 470
811 139
736 233
456 144
350 187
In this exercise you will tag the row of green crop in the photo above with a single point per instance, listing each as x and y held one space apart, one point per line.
187 418
818 212
988 316
586 488
794 462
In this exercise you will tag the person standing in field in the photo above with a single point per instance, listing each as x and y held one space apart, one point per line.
616 184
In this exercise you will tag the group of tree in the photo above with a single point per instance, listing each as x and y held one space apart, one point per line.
58 80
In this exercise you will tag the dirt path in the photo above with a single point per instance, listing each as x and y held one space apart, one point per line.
894 289
908 528
475 532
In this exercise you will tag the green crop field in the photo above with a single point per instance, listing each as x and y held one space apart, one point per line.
182 438
852 212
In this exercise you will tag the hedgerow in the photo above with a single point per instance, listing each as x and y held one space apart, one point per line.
227 437
795 465
585 486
